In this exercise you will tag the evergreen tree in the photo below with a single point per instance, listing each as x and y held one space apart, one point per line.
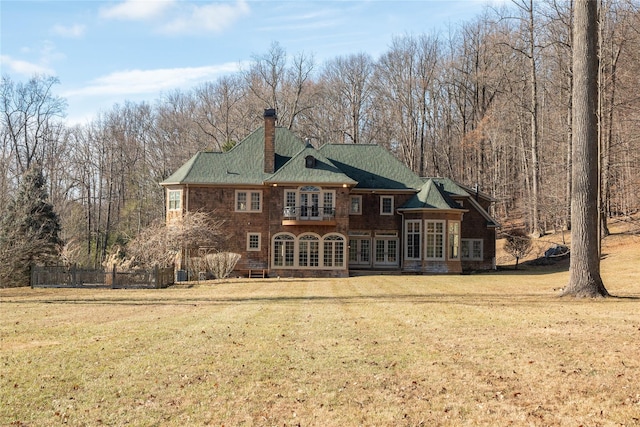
29 231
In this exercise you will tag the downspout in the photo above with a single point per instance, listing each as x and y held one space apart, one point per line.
269 232
184 247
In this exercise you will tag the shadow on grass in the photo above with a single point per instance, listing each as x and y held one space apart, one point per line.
470 299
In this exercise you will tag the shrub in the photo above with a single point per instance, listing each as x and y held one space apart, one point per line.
518 245
221 264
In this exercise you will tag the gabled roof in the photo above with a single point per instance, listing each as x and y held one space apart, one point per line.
432 195
323 170
371 166
242 165
449 187
367 166
441 194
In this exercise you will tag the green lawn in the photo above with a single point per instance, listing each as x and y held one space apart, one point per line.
488 349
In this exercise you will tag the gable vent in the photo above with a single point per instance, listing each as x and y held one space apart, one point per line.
309 162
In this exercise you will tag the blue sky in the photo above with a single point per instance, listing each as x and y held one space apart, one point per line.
106 52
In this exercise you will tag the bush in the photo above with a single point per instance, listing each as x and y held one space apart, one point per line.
518 245
221 264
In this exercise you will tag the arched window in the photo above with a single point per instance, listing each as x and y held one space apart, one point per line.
308 250
333 248
283 250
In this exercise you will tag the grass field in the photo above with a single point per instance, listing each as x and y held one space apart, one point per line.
490 349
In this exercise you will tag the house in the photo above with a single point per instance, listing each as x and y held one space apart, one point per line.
293 210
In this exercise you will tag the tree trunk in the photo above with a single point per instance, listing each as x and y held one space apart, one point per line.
584 270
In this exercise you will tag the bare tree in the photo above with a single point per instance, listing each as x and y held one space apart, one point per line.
584 270
29 113
346 84
220 113
161 244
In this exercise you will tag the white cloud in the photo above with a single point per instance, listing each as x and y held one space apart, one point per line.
74 31
213 17
135 82
135 10
173 17
24 68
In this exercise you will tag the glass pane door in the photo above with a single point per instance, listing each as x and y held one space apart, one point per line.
386 252
309 205
359 252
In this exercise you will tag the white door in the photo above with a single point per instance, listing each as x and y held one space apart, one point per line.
360 252
386 252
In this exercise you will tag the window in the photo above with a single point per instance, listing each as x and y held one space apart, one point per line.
175 199
290 199
471 249
386 205
413 239
327 206
333 251
253 241
283 249
434 236
454 240
255 201
308 251
309 203
356 205
248 201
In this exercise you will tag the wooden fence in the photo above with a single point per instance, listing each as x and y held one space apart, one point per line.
74 277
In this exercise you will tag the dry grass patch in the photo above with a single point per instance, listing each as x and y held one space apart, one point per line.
489 349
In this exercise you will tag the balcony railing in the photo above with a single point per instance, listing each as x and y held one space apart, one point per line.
308 213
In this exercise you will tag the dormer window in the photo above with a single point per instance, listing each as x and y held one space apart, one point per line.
309 162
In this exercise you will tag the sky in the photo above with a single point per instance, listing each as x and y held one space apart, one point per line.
107 52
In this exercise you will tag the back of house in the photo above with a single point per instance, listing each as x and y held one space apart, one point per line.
292 210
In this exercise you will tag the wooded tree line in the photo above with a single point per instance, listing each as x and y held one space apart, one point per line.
487 103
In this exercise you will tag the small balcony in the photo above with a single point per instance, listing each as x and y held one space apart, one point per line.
308 215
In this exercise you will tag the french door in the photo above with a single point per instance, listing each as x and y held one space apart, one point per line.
360 252
309 205
386 252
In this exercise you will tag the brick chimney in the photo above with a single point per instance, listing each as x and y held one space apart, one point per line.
270 140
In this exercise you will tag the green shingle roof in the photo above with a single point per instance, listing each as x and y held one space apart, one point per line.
243 164
366 166
450 187
322 172
432 195
438 193
371 166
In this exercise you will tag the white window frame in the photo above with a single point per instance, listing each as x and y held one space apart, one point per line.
337 257
413 222
285 238
324 196
178 200
451 244
382 199
335 242
248 201
358 200
311 262
249 236
469 247
443 243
